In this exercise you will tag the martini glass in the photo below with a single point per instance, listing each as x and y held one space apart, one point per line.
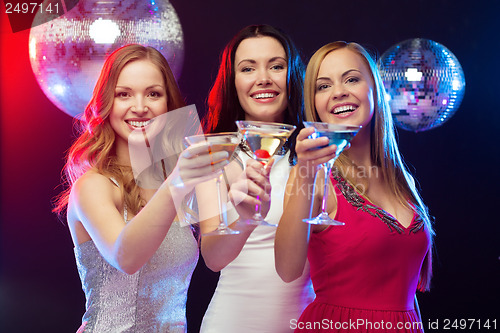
339 135
219 142
264 140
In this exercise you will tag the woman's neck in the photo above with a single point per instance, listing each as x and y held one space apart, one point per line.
267 118
360 151
122 154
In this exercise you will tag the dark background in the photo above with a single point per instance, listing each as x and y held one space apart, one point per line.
457 164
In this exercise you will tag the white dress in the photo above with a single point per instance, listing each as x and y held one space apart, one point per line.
250 296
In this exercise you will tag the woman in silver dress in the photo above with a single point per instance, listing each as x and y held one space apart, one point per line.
134 259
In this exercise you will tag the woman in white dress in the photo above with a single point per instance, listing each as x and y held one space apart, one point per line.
260 78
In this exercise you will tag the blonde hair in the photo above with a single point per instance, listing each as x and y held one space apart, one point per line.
384 148
95 146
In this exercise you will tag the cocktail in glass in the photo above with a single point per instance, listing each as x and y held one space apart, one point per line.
264 139
227 141
339 135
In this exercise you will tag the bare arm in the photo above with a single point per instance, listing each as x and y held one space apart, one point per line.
292 235
96 204
219 251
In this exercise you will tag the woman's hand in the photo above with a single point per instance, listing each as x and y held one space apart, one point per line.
252 188
196 164
312 152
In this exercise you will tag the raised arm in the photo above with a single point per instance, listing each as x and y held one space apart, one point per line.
219 251
292 235
96 210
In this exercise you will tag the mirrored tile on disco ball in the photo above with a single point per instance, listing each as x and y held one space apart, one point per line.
67 53
424 83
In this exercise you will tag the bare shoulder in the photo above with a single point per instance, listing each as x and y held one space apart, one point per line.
93 188
91 182
93 193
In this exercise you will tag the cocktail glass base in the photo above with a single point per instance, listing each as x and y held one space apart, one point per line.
222 231
258 219
323 219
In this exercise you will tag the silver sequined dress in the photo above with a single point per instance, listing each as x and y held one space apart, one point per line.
151 300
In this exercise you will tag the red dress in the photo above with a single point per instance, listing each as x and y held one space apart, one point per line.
364 273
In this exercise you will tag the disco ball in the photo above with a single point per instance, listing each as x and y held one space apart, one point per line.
424 82
67 53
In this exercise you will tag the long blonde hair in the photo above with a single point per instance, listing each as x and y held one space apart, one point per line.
95 146
384 147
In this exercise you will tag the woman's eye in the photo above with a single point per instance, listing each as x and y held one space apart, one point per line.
154 94
122 94
246 69
278 67
352 80
321 87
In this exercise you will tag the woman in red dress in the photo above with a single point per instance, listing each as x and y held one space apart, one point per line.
366 272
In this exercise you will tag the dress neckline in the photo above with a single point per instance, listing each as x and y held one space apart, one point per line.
362 203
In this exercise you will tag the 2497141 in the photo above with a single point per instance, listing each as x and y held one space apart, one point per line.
31 7
473 325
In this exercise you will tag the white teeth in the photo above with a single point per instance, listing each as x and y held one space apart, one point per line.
344 108
139 123
264 95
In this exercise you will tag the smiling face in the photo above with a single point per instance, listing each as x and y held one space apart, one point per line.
344 91
140 95
260 78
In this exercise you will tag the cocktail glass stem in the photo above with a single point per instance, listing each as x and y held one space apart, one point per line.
222 210
323 216
339 135
218 142
326 169
257 215
264 139
223 228
257 218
